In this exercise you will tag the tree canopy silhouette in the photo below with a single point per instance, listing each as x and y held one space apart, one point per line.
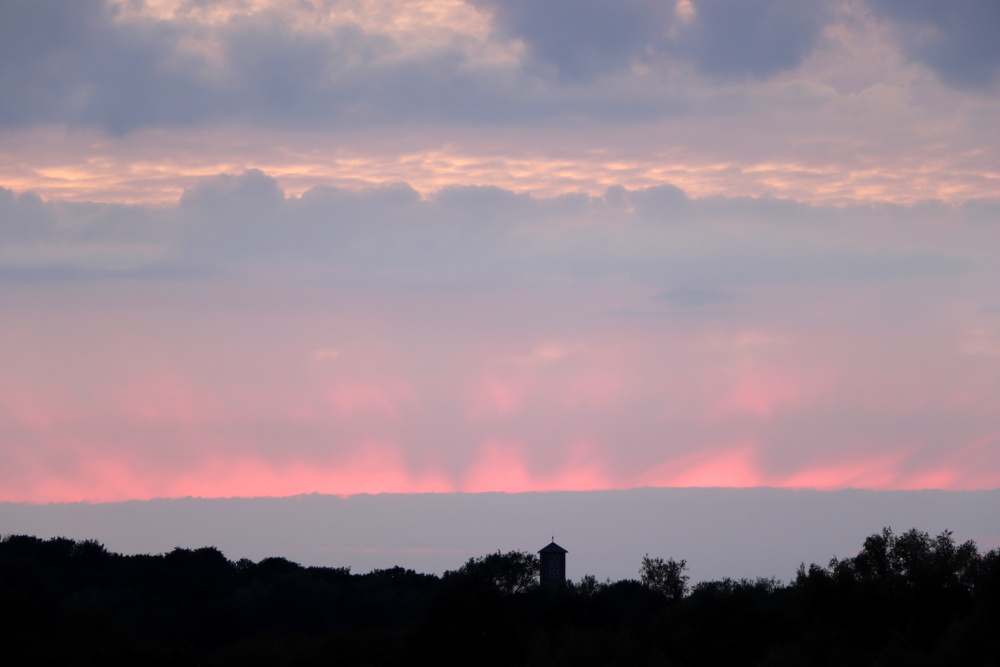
905 598
507 573
666 577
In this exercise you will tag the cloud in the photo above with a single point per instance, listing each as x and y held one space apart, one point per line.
463 235
98 65
76 64
757 39
92 65
251 191
804 100
166 390
582 40
24 217
697 298
436 246
474 316
956 40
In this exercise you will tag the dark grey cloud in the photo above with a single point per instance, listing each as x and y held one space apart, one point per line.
757 38
583 39
378 202
42 50
81 65
696 250
697 298
24 218
491 201
71 273
767 260
659 201
76 64
983 210
958 40
252 191
72 63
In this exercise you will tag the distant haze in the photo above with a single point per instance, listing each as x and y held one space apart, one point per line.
720 532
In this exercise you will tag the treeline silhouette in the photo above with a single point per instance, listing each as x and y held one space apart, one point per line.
908 599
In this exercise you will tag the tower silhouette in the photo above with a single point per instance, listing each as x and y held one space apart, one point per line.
553 565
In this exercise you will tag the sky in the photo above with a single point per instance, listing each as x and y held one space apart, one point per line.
736 533
252 248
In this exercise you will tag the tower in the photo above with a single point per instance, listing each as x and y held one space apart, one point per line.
553 565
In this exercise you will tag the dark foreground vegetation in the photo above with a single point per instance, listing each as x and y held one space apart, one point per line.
908 599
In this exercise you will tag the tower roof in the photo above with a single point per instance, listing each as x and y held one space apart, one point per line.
553 548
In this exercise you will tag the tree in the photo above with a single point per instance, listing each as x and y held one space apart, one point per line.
665 577
587 586
912 560
508 573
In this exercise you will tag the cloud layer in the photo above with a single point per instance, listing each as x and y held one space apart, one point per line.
243 342
843 103
431 245
496 62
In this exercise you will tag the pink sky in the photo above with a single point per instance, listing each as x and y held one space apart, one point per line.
471 246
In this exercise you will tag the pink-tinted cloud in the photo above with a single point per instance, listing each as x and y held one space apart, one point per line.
431 246
501 467
713 466
479 391
832 104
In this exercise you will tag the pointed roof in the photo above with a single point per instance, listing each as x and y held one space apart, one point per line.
553 548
